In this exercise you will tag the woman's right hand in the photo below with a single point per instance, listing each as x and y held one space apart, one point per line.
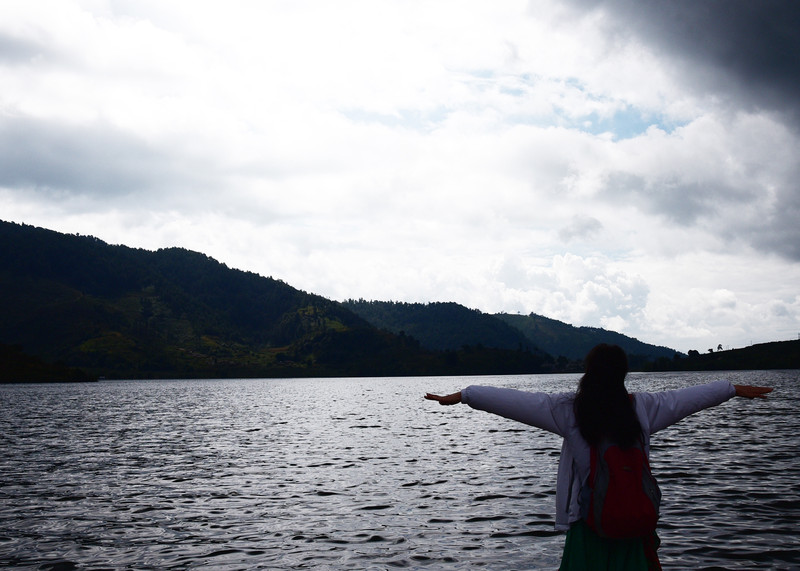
454 398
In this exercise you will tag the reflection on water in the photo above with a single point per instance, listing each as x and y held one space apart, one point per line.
362 473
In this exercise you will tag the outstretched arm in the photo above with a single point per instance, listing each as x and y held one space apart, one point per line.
454 398
548 411
751 392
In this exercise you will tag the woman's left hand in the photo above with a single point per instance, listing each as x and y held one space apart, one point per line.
751 392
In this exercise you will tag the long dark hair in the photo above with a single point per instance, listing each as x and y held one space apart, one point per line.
602 405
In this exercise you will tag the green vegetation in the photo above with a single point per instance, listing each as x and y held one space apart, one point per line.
119 312
449 326
17 367
559 338
76 308
775 355
441 326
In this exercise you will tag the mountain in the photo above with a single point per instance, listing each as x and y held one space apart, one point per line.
75 308
441 326
76 302
114 310
17 367
761 356
448 326
559 338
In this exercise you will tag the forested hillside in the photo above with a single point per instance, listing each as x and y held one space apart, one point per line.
559 338
114 311
17 367
450 326
131 312
441 326
74 308
761 356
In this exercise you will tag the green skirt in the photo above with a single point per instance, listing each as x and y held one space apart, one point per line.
584 549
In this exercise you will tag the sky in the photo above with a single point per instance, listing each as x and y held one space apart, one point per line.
624 164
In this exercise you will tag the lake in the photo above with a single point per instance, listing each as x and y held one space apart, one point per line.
364 474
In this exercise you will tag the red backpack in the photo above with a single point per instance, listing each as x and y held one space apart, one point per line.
622 497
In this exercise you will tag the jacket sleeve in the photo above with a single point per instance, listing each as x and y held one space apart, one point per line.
542 410
663 409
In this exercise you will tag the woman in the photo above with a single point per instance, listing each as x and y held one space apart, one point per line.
600 409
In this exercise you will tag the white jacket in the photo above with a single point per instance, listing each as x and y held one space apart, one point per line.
554 412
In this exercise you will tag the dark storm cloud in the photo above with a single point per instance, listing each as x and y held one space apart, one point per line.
93 159
779 231
770 228
745 54
682 202
746 50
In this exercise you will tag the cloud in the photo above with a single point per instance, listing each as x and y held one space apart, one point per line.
733 178
580 227
95 159
736 50
15 50
590 290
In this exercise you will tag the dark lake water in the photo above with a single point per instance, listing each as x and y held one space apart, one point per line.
363 474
